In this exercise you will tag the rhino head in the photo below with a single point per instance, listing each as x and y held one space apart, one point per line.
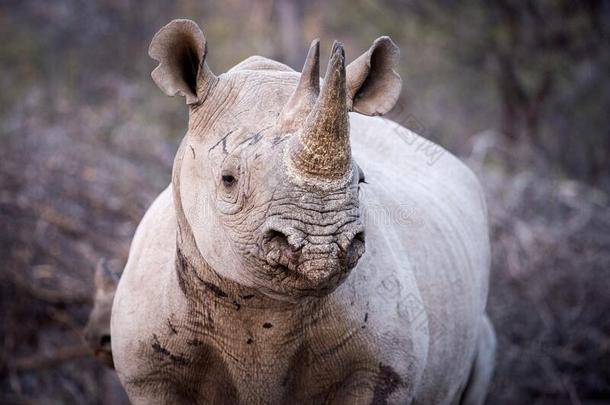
264 180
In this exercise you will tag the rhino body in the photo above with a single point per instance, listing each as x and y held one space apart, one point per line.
404 322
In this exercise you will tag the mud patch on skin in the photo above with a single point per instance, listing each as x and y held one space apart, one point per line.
388 381
194 342
165 377
171 326
158 348
295 375
215 289
181 268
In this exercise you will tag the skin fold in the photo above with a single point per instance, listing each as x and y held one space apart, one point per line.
305 251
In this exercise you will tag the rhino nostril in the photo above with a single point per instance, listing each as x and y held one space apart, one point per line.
273 235
357 242
282 239
359 236
355 249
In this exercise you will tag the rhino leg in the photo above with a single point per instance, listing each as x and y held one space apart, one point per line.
97 330
482 369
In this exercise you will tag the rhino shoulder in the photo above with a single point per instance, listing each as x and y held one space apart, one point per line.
157 225
151 257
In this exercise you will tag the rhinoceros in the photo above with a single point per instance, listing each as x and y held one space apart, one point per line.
306 250
97 330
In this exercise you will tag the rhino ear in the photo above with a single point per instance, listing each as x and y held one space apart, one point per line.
373 86
180 48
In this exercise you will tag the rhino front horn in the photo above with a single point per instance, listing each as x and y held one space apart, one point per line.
321 150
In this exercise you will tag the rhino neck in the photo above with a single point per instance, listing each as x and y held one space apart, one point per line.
197 279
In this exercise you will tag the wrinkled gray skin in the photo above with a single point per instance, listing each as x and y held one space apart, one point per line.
270 271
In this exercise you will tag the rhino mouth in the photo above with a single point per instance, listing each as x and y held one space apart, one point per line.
316 278
311 270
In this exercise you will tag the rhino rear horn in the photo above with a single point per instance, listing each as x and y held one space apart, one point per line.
373 85
180 48
306 93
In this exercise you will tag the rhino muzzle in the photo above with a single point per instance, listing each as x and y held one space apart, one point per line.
314 262
316 248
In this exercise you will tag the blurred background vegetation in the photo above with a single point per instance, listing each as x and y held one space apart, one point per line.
518 88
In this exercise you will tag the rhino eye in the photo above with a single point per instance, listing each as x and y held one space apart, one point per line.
228 180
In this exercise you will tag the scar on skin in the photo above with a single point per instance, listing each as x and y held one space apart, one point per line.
192 150
256 138
223 140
